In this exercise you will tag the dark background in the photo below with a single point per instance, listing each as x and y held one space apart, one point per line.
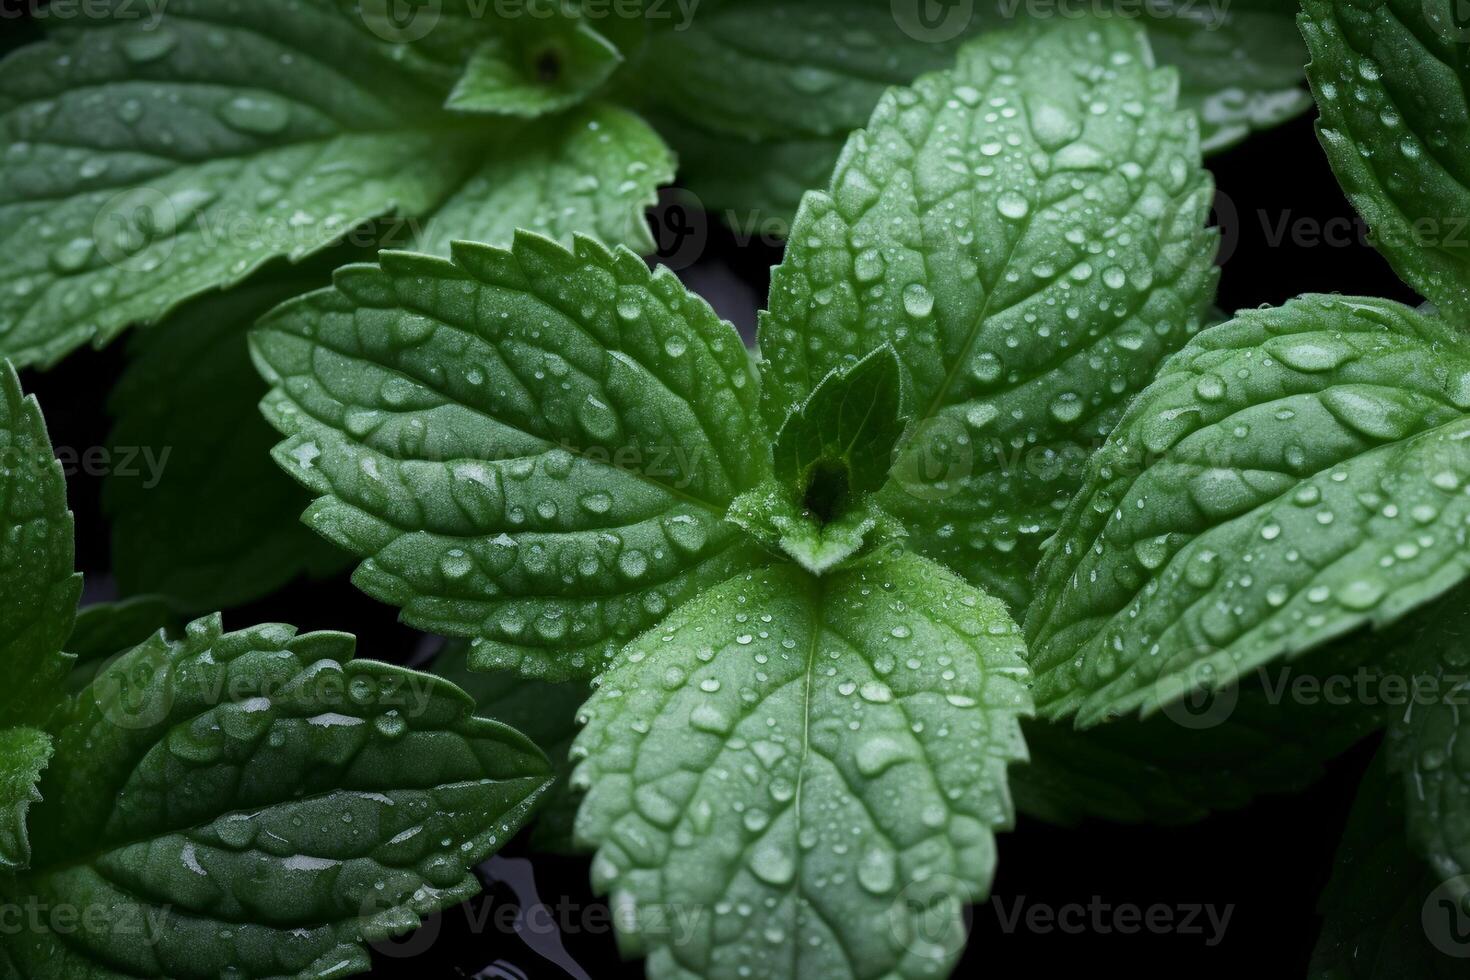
1269 861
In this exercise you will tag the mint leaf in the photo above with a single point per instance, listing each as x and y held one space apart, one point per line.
849 424
544 713
259 803
107 628
543 62
1292 475
1423 740
39 587
143 167
826 753
592 171
1390 80
1383 917
1240 65
1199 757
212 524
24 753
533 447
790 80
1003 283
831 454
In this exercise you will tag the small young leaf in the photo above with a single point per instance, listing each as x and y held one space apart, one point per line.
551 67
1390 79
1292 475
107 628
259 804
852 421
24 753
202 515
531 447
952 262
39 587
1382 911
827 753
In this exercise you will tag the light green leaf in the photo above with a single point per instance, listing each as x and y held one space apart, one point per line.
24 753
530 73
213 523
1030 259
1382 912
593 171
260 804
39 588
544 713
1424 740
1292 475
533 447
828 754
789 80
807 531
147 163
1390 78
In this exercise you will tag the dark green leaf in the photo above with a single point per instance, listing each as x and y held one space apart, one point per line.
259 804
1390 78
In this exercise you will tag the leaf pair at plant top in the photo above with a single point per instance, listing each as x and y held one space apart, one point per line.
553 451
256 803
148 162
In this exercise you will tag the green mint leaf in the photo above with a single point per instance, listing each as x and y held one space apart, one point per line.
850 423
1199 757
24 753
1240 65
104 629
545 713
593 171
828 753
789 80
531 447
147 164
1292 475
978 226
779 521
143 167
213 523
1390 79
39 586
1423 740
261 804
551 66
1383 917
